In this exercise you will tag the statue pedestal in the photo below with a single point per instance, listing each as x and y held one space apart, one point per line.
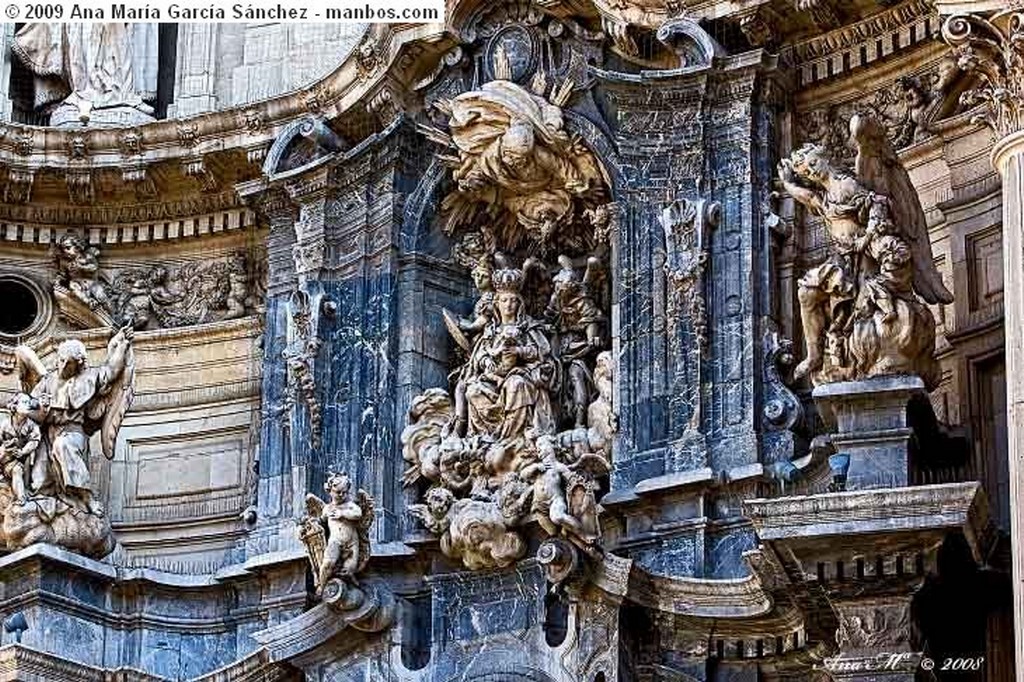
68 116
870 427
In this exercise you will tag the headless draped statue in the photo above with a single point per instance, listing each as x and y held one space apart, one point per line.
91 73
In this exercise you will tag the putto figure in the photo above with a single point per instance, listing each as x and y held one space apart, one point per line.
347 521
69 404
862 309
19 439
79 289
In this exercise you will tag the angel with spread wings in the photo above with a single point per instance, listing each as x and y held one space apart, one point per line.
861 309
346 550
74 402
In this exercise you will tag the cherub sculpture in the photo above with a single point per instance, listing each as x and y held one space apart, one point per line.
79 288
19 439
517 170
346 550
861 310
564 494
464 330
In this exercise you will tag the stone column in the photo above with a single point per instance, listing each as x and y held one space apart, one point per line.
989 41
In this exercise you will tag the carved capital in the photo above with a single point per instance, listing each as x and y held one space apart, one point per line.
991 46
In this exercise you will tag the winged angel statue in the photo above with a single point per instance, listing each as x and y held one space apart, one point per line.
864 309
337 532
517 170
52 501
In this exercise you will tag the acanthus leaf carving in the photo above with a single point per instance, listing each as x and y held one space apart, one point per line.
992 48
686 226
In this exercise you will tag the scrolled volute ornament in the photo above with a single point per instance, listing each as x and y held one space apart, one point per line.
992 48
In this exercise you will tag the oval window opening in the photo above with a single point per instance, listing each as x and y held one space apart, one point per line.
18 307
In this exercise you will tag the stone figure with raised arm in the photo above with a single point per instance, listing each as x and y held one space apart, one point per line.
862 309
70 403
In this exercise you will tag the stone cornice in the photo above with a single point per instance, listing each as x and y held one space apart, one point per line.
940 508
19 662
156 160
838 51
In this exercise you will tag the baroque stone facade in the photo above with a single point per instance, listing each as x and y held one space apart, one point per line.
632 341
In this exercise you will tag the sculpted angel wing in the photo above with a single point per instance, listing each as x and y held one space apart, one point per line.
30 368
314 506
116 402
879 169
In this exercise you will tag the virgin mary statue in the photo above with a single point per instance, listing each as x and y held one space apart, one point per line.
109 69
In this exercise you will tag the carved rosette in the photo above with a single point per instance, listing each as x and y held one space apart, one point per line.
992 48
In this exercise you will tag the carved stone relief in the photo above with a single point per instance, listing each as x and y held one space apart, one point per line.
300 359
80 291
520 176
991 48
525 430
687 225
908 108
195 293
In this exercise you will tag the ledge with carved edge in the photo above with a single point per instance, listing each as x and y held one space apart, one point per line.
750 614
20 662
368 608
401 55
894 523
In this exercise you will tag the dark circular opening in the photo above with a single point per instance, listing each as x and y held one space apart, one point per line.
18 307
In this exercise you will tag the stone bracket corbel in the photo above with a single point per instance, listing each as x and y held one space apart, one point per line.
196 167
18 188
372 610
80 185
